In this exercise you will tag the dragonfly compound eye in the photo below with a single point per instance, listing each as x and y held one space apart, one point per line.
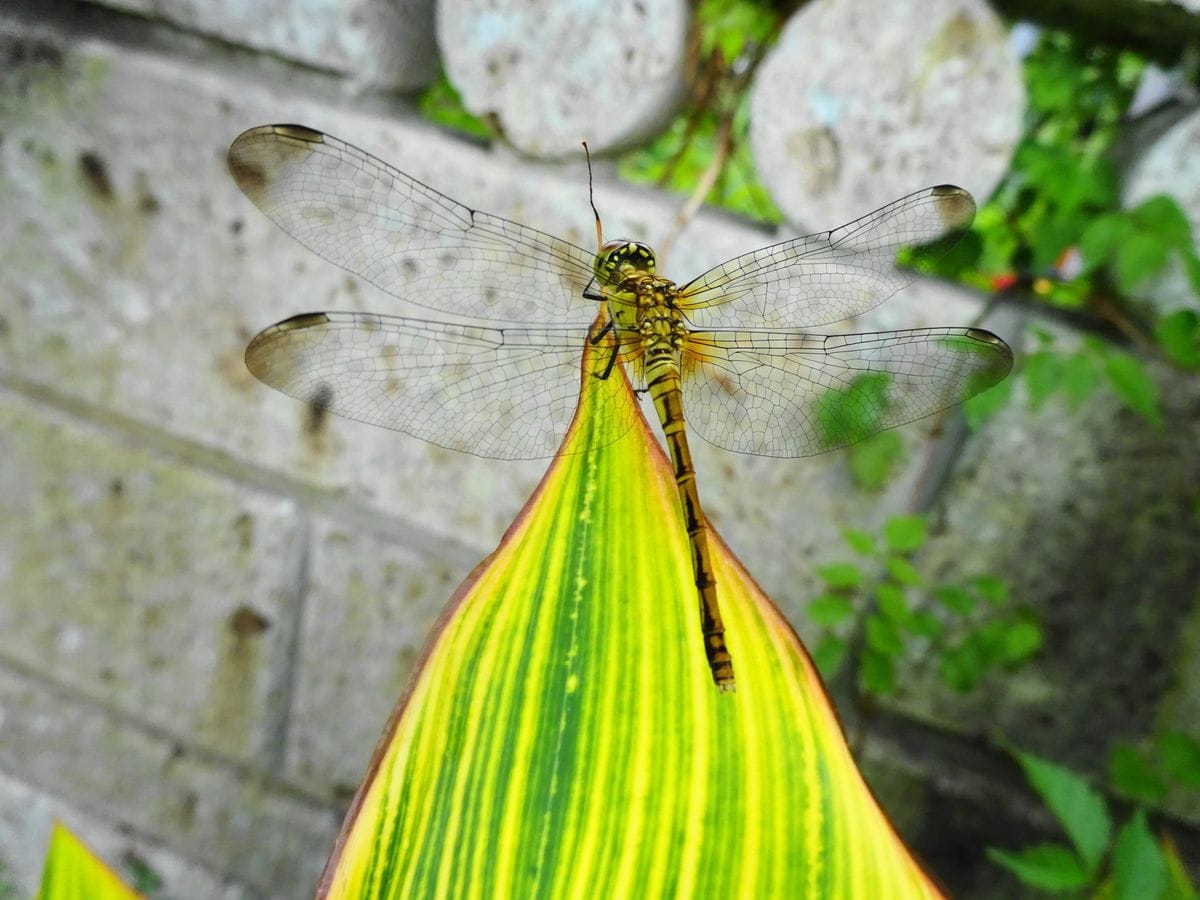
620 259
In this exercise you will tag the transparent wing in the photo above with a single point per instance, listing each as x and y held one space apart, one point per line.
365 216
827 277
791 395
505 393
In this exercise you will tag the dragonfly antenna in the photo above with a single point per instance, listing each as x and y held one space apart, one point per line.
592 199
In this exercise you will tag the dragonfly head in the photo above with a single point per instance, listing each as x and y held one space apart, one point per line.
618 260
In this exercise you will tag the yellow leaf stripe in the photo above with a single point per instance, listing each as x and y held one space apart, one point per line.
563 737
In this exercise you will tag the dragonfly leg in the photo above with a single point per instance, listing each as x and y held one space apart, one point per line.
599 335
612 359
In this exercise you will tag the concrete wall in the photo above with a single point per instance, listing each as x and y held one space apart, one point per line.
208 603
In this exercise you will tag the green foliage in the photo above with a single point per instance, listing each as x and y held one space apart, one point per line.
1139 865
1061 182
981 407
1050 372
441 104
1130 865
852 416
727 26
1055 224
1172 760
872 461
1137 243
678 158
1179 336
965 630
144 879
717 119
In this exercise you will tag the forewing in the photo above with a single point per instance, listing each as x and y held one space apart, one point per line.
789 395
827 277
503 393
413 242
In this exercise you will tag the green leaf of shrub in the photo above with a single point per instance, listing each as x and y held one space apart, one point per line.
1077 806
904 534
1043 373
955 598
1101 236
1179 336
985 405
1134 386
830 609
1081 376
903 572
873 460
1051 867
883 636
860 541
992 589
829 655
878 673
1139 867
841 575
893 605
1162 217
1180 755
1132 775
926 624
1021 641
1138 257
961 667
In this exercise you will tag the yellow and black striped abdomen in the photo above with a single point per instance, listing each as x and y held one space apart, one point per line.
662 380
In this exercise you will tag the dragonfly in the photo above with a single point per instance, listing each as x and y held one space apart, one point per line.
732 347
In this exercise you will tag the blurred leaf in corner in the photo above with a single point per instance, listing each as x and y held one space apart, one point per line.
74 872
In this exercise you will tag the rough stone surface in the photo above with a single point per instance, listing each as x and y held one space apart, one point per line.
224 818
145 272
1091 519
539 71
178 619
1170 165
864 101
370 608
27 816
378 43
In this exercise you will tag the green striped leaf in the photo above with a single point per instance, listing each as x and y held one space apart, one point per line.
563 736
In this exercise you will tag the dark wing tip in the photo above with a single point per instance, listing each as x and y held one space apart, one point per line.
261 351
247 155
309 320
298 133
955 205
999 364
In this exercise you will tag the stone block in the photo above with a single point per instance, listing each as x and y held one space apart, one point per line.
553 74
27 815
253 830
1090 517
863 102
377 43
144 584
370 607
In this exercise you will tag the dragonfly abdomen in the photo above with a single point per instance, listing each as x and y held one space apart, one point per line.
663 382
